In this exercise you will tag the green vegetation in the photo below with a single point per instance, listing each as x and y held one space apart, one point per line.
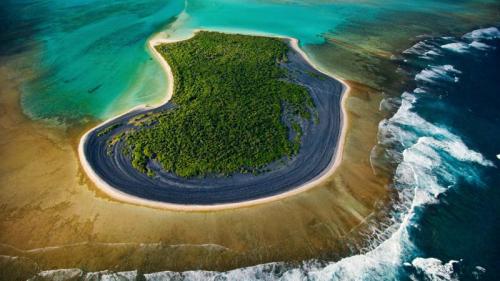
107 130
231 102
141 119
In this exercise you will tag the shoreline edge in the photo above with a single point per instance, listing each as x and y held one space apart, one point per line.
118 195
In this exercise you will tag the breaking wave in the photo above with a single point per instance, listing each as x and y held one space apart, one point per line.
433 74
458 47
483 33
431 48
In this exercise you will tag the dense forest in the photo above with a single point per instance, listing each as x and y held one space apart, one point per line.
234 109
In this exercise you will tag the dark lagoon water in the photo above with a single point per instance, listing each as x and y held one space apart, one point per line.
440 138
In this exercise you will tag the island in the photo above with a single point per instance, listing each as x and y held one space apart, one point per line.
247 118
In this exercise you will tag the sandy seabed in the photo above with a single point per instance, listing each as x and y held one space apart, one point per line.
52 216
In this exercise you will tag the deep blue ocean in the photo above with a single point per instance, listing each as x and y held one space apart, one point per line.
445 141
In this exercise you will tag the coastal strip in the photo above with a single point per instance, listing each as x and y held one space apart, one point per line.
126 197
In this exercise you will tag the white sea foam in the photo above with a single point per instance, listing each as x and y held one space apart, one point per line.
78 274
419 91
388 104
457 149
433 74
483 33
431 53
479 45
433 160
59 274
418 49
434 269
423 49
458 47
112 276
270 271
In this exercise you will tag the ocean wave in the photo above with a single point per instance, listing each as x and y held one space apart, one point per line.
419 48
78 274
423 49
483 33
419 90
433 74
479 45
427 49
430 53
431 161
474 39
458 47
461 47
435 269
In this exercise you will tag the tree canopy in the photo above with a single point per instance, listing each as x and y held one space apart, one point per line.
235 110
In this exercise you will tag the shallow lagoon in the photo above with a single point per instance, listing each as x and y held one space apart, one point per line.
91 60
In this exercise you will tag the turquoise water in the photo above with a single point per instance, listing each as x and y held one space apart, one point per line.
91 57
308 21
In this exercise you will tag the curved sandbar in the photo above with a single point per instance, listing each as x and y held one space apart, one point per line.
319 155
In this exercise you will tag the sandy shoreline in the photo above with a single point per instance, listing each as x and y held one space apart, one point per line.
122 196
